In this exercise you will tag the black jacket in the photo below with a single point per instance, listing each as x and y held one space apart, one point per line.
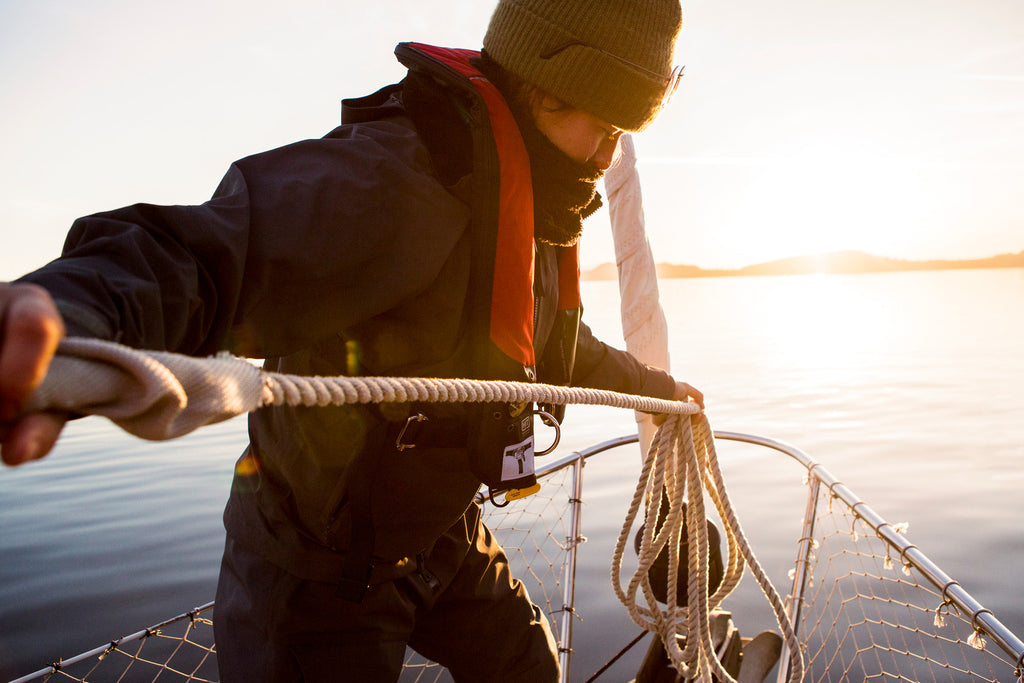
343 255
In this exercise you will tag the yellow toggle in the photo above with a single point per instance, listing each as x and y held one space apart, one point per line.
516 494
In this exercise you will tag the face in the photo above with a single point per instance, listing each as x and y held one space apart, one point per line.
579 135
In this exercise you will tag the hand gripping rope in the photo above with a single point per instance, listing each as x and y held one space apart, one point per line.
160 396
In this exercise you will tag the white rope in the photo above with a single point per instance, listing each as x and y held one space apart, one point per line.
157 395
322 391
682 457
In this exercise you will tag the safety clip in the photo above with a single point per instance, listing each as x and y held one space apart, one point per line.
418 417
551 421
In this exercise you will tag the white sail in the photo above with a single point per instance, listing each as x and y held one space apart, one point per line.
643 320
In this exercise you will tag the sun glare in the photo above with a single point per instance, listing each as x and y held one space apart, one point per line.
825 194
816 333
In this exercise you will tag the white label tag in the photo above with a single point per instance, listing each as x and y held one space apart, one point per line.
517 461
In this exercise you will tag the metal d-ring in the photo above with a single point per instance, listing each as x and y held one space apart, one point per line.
549 419
418 417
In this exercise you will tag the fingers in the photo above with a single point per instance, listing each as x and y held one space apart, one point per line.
30 329
683 392
30 438
697 397
686 392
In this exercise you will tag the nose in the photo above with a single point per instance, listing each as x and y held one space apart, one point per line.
606 151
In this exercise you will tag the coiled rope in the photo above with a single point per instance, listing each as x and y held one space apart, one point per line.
159 395
682 458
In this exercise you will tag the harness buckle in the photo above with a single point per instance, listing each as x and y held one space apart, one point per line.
418 417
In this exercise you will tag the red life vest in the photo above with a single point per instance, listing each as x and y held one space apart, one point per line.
511 319
503 259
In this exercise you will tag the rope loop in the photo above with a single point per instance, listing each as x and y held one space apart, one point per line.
682 459
949 584
977 613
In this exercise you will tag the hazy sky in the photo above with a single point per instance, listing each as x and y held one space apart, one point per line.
893 127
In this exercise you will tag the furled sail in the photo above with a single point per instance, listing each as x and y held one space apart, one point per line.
643 320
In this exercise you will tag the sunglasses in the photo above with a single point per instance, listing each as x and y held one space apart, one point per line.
671 81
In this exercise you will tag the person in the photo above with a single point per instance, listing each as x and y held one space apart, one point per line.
433 233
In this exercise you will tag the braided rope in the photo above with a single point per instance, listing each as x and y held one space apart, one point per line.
298 390
682 457
159 395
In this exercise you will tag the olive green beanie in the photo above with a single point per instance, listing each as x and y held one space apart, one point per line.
586 52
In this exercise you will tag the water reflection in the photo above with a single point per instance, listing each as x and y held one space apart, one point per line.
906 385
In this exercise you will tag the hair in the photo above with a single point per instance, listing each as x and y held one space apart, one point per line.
522 96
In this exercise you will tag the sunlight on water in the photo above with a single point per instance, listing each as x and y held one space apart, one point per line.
908 386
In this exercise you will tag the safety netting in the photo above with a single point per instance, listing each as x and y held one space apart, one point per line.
867 604
874 610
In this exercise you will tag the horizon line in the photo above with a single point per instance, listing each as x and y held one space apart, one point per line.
856 261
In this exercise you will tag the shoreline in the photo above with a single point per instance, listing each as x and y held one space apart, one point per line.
836 263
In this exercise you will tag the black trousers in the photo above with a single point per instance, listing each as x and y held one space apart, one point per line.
463 610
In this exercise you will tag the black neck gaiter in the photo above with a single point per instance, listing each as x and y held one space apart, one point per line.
564 191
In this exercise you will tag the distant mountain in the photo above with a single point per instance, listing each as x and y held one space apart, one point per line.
836 262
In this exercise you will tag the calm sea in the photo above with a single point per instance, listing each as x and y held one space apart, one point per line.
908 386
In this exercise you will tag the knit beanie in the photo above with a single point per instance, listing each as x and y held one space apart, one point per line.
587 52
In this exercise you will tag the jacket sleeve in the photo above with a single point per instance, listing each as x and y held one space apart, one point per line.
296 244
599 366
